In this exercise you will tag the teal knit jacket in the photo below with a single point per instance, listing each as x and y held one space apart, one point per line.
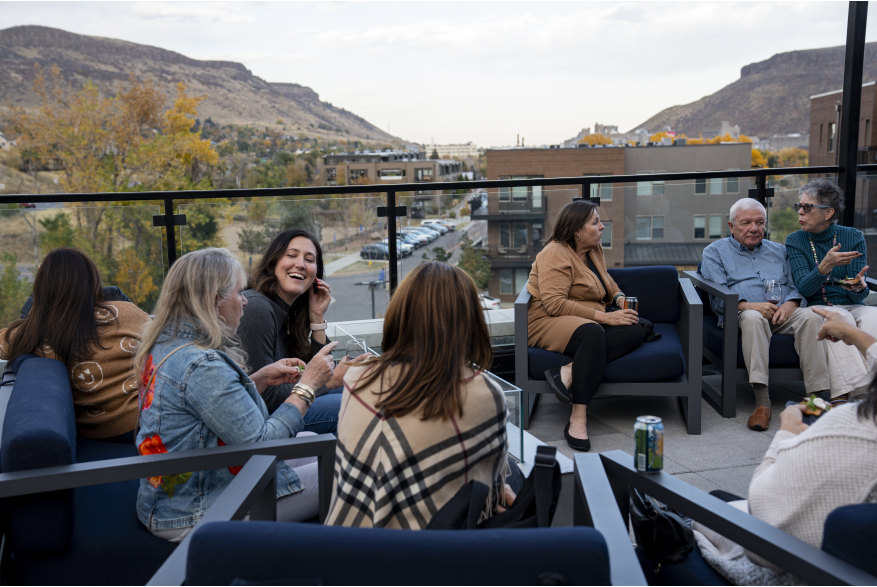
807 278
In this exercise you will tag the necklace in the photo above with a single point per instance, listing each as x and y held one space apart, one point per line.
815 258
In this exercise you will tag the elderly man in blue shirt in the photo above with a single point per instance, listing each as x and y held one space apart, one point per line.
743 262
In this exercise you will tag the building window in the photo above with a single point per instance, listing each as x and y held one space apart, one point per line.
537 234
715 226
536 197
820 133
331 173
699 227
423 174
392 173
519 193
658 186
732 185
867 133
649 228
522 274
505 235
699 186
505 282
601 190
520 235
643 188
831 131
715 186
358 175
607 235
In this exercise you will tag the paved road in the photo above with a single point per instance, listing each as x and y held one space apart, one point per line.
353 302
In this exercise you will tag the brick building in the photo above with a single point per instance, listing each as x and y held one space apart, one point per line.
647 223
387 167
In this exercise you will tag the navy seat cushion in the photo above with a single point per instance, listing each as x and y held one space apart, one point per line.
109 545
253 553
656 288
39 430
694 570
850 534
782 351
654 361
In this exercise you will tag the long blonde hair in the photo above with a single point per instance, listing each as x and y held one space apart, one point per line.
190 292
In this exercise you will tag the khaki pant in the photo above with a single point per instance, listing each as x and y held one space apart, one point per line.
824 365
852 368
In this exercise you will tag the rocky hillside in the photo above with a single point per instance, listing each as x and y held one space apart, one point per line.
770 97
235 95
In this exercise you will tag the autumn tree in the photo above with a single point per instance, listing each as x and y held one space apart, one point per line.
759 159
473 262
596 139
792 157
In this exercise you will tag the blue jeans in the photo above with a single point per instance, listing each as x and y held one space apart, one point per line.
322 416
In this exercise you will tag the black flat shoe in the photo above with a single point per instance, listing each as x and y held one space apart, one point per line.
576 443
563 395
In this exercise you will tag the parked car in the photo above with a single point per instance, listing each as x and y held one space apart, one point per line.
412 240
28 205
489 303
435 225
404 248
375 251
430 235
434 232
417 235
451 226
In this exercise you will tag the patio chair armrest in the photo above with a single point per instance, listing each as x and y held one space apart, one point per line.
710 287
872 283
253 490
769 542
594 505
689 327
521 360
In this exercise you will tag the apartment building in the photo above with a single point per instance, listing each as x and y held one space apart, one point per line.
458 151
647 223
825 120
387 167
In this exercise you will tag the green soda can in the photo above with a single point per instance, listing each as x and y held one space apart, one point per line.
648 453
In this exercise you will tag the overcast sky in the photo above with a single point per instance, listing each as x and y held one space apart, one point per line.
472 71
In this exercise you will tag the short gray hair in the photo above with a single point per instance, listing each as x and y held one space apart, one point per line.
826 194
744 204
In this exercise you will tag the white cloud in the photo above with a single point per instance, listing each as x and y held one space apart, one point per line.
226 12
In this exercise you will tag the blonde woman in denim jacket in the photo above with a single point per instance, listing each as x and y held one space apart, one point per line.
195 394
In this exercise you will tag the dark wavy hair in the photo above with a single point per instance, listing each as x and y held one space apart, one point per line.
263 280
66 293
868 406
571 218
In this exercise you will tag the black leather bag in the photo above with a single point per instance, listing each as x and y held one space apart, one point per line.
662 532
534 505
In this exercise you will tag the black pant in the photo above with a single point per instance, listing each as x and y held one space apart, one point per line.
591 347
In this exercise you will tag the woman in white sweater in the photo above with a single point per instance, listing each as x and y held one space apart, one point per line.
807 472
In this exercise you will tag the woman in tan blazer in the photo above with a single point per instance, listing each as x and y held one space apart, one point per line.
568 313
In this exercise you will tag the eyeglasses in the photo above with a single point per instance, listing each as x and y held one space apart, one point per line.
808 207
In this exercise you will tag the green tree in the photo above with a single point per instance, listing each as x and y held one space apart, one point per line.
435 154
13 290
298 215
438 254
474 263
253 241
783 223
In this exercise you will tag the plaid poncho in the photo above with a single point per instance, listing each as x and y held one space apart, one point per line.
398 472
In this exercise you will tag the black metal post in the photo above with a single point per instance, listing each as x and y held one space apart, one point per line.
371 286
760 189
170 228
848 140
391 241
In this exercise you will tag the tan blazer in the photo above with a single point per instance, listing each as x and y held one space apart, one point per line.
566 294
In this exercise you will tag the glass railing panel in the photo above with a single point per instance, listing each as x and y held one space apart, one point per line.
121 240
866 217
347 227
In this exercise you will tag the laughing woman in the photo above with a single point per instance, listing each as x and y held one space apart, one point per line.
285 318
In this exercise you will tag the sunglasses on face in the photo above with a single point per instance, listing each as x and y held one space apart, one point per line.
808 207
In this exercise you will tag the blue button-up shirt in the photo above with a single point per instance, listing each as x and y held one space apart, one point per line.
731 264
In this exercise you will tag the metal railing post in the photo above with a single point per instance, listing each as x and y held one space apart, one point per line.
170 230
391 241
848 141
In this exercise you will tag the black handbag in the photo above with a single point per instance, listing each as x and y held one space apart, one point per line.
534 505
661 531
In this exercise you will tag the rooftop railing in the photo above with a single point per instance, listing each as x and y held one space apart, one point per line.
129 231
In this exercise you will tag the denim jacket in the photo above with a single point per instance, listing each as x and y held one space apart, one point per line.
200 398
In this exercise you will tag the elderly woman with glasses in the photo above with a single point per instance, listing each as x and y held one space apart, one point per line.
828 263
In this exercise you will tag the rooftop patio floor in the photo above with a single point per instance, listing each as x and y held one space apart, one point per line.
723 456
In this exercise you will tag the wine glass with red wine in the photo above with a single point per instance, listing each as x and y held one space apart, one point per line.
773 292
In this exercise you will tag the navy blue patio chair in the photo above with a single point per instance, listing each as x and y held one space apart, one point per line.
69 504
670 366
723 348
225 553
846 557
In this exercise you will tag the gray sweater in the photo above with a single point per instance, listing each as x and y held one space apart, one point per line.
264 338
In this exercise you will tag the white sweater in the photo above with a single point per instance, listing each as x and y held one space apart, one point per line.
804 478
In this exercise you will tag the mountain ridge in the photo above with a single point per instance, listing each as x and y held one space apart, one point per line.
770 97
235 94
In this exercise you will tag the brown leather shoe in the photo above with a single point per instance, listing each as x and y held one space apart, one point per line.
760 419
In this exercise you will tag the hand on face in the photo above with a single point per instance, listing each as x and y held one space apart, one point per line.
319 302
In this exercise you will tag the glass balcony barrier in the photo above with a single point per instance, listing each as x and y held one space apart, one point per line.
126 247
352 237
